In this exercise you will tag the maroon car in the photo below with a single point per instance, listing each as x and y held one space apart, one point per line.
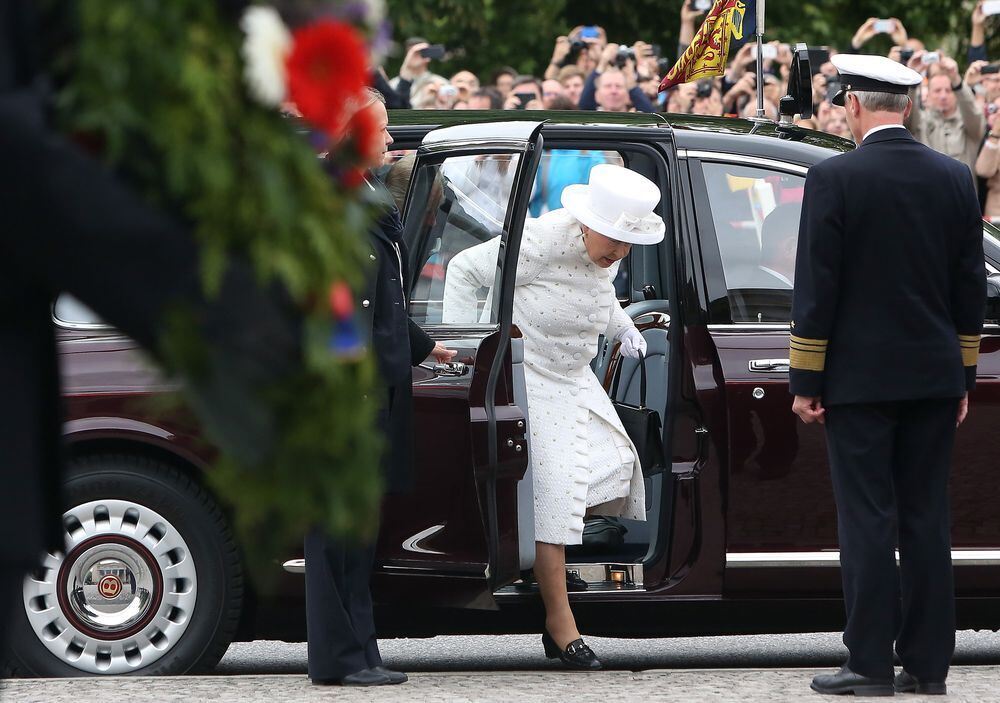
740 534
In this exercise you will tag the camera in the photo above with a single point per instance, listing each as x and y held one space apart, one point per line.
931 57
905 55
704 89
992 68
663 65
624 54
700 5
448 91
833 87
576 46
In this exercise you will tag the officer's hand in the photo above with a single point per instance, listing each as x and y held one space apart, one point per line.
442 354
809 410
963 410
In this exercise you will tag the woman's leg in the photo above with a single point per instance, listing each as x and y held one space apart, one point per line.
550 572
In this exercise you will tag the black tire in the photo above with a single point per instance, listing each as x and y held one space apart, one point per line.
192 511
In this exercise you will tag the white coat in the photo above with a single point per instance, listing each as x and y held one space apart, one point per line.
581 456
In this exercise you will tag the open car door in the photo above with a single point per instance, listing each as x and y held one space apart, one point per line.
456 537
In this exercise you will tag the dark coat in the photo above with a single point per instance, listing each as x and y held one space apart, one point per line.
398 343
890 281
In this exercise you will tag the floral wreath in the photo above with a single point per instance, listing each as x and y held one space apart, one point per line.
185 98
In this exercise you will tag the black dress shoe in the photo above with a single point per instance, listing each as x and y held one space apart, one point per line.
393 676
846 681
574 582
908 683
577 654
365 677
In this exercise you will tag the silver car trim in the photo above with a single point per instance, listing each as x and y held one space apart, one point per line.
770 560
742 159
412 544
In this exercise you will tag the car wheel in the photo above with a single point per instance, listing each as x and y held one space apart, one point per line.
150 582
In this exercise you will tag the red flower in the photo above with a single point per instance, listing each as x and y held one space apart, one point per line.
327 70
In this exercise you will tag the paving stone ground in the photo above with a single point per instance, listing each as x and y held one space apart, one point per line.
971 683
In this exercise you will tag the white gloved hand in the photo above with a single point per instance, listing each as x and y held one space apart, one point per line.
632 343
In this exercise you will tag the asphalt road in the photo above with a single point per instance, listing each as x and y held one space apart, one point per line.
512 668
524 653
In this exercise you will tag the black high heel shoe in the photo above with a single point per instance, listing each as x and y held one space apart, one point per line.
577 654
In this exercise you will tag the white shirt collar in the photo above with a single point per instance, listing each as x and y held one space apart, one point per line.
872 131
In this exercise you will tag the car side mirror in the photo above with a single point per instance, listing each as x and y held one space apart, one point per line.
993 297
799 98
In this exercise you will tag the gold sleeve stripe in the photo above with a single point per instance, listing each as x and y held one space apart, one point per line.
805 342
806 361
970 348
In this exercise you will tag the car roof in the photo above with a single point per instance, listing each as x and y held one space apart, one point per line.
690 132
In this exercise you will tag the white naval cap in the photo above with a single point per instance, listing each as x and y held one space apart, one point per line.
872 73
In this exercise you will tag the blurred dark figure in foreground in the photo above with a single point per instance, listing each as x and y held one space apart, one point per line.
70 226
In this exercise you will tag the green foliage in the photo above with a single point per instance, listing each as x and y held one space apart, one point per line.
483 35
492 33
160 86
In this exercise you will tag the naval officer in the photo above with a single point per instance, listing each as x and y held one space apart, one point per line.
886 318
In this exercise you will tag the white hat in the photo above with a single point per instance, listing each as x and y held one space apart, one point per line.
872 73
617 203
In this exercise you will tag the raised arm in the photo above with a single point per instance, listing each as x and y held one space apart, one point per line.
468 272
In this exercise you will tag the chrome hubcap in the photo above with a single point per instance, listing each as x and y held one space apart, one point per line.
122 595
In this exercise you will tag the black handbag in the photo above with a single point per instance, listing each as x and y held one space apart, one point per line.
642 424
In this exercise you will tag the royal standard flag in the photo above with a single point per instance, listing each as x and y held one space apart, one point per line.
709 50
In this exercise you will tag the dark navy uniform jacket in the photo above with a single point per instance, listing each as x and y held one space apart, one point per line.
890 282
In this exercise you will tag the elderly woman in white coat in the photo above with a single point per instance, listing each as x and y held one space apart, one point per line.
582 460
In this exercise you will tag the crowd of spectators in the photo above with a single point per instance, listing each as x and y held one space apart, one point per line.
954 111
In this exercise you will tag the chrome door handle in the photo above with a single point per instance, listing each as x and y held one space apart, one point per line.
450 368
769 365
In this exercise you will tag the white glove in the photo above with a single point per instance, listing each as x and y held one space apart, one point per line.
632 343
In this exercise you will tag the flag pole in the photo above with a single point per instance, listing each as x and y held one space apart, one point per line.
760 60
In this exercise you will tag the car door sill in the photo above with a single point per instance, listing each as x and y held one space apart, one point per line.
600 578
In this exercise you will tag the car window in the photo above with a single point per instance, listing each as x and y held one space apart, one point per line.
756 215
454 205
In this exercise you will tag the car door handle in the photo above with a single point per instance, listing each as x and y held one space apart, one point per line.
450 368
769 365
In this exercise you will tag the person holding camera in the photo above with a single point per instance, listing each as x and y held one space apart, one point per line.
525 94
415 69
988 163
614 94
950 123
874 26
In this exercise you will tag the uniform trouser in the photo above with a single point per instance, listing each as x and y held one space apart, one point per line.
889 464
11 579
340 622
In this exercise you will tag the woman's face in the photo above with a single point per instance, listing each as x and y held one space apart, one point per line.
604 251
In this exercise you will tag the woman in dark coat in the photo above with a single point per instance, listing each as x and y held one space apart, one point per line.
341 628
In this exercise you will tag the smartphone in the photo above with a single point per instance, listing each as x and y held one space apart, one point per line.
770 51
434 51
931 57
885 26
655 48
525 98
590 32
700 5
992 68
991 7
